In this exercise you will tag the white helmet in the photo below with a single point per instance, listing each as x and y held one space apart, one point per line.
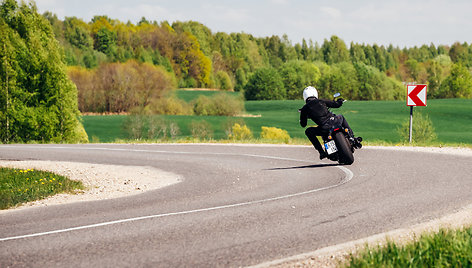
310 92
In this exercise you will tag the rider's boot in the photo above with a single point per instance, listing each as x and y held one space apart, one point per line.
356 141
323 155
319 148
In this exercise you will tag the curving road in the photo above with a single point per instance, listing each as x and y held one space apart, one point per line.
238 205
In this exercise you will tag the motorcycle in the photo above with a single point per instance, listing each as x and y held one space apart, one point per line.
339 143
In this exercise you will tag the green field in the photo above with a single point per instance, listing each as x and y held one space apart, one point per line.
375 121
189 95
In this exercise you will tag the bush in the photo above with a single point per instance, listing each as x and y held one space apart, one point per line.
240 132
203 106
174 130
275 134
201 130
170 106
221 104
157 128
228 124
134 126
141 126
423 130
227 105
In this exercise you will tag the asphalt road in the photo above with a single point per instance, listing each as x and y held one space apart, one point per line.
237 205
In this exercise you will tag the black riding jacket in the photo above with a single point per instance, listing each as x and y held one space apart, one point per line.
317 110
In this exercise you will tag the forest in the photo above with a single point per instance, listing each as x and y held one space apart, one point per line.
189 55
52 70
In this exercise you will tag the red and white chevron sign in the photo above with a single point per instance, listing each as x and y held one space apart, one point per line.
416 95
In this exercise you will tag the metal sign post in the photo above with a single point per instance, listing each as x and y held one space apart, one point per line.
416 96
411 122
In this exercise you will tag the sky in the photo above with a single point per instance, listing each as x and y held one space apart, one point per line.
403 23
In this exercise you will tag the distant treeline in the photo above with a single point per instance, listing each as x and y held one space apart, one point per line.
194 56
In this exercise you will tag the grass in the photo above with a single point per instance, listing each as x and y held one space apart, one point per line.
104 128
189 95
375 121
447 248
19 186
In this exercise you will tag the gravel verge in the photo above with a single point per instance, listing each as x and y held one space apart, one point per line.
100 181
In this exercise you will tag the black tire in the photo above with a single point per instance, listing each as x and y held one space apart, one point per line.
344 149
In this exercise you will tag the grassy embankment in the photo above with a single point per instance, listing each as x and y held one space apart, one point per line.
447 248
375 121
20 186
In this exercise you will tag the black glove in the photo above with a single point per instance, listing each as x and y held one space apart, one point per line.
340 101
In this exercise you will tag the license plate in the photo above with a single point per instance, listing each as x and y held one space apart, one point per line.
330 147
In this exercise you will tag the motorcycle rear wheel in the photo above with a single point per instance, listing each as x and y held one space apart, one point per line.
344 149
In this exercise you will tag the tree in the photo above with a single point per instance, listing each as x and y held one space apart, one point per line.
199 57
105 41
77 33
297 75
380 59
8 84
434 71
304 50
413 68
223 80
265 84
460 53
190 60
38 102
57 26
120 87
241 79
341 78
88 99
375 85
200 31
273 46
357 53
334 50
458 84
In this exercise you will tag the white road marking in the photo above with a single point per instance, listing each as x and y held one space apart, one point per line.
349 176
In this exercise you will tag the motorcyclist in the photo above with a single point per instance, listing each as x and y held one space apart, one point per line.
317 110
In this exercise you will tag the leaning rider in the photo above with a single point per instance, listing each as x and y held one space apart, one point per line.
317 110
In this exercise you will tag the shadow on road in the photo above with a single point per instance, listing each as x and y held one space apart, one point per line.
309 166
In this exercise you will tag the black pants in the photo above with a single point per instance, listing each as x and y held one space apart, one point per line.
312 132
